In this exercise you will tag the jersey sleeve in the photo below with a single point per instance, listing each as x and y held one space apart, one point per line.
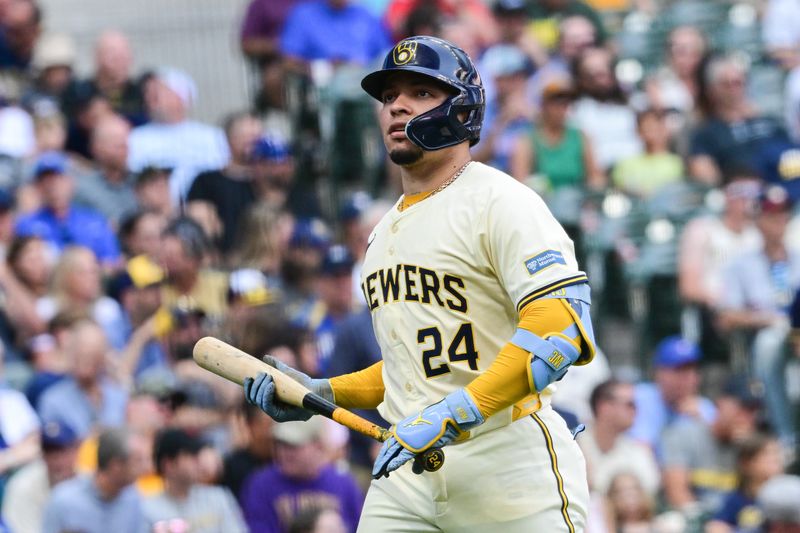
359 390
528 249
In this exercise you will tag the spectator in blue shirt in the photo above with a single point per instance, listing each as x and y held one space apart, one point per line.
104 501
62 223
673 394
87 399
338 31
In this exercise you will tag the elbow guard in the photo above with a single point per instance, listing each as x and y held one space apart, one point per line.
551 356
554 353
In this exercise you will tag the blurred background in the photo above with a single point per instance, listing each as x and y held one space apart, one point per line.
170 170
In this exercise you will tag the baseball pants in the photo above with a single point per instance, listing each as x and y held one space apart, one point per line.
526 477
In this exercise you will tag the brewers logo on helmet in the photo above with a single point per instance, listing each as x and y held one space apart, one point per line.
404 52
448 64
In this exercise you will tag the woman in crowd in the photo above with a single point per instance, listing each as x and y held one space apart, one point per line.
77 286
758 459
629 509
556 150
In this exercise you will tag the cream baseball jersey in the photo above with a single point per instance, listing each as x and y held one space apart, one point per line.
444 280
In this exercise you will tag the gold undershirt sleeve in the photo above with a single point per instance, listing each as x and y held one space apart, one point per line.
359 390
507 381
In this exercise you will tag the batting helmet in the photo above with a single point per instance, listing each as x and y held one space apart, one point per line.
442 61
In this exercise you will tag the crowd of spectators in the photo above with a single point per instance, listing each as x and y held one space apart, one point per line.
129 230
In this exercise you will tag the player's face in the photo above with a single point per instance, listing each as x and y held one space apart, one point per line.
405 96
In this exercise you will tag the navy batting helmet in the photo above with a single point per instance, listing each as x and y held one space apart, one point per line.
440 127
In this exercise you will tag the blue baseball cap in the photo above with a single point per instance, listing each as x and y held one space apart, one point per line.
354 206
51 162
676 351
337 260
56 434
310 233
748 394
270 148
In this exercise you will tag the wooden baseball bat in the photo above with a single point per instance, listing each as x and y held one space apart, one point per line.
235 365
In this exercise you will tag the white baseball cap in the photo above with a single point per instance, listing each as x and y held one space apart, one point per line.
178 82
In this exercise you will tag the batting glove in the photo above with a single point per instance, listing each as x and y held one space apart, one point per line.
261 392
435 426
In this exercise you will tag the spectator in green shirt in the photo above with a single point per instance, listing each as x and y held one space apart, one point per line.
557 151
643 174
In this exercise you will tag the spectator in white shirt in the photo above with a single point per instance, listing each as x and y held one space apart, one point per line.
172 140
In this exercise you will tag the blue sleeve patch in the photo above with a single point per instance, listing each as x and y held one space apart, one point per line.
544 260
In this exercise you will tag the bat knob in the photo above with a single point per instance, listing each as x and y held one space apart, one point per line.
432 460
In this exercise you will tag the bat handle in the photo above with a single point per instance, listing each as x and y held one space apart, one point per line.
431 460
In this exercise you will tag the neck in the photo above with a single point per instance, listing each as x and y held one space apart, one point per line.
107 489
59 211
172 117
261 449
733 223
107 83
79 301
775 250
553 129
186 283
655 149
428 175
732 113
113 174
177 490
605 436
270 193
236 169
91 388
39 289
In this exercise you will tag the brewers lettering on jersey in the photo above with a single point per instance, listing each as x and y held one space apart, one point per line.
478 306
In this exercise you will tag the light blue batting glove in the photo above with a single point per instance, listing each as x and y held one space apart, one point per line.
261 392
435 426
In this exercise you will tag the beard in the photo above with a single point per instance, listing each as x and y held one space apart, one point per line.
406 156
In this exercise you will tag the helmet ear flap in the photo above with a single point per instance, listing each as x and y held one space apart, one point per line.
441 127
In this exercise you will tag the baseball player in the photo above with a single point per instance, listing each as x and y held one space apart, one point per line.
478 306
